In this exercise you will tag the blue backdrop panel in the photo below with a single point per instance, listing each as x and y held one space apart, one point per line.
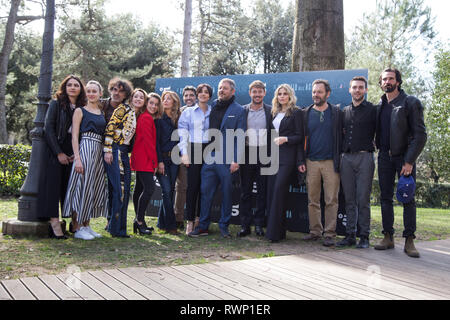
301 82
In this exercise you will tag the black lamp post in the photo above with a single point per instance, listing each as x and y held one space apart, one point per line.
28 208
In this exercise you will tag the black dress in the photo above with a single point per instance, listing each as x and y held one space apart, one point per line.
55 176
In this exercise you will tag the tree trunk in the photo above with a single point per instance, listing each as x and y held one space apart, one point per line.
4 58
318 36
186 54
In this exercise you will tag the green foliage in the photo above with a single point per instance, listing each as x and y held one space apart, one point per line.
437 118
385 38
428 195
13 168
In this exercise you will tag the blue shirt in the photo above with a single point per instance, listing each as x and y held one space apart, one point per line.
193 126
320 132
164 129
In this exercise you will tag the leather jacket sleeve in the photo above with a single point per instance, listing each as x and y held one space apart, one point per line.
418 136
50 127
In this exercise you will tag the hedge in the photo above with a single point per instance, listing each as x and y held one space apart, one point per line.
14 165
14 161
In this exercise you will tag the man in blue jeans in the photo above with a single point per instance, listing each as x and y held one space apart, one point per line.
400 137
221 157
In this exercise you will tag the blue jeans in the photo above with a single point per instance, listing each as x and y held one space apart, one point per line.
211 176
166 214
119 206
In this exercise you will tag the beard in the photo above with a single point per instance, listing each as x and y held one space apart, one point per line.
358 99
389 88
319 101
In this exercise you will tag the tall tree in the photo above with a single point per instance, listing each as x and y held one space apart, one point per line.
437 119
386 37
318 35
271 35
186 53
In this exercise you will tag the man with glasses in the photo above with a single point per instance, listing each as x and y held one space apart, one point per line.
323 135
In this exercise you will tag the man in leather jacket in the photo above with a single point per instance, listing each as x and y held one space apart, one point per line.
400 138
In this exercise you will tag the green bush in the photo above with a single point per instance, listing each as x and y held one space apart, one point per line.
428 194
13 168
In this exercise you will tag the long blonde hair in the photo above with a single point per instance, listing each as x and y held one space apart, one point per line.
176 105
276 106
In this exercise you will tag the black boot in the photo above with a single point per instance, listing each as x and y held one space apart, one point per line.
142 228
349 240
363 242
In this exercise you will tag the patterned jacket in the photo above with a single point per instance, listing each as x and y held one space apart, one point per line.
121 127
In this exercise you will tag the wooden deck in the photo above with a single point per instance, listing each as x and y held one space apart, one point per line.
332 275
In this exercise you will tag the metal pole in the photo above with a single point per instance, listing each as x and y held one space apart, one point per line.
29 192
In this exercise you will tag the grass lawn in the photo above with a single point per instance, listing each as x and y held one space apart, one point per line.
23 257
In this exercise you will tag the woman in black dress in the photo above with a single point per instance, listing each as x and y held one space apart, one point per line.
59 156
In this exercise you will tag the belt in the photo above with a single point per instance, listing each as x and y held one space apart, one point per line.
362 151
166 154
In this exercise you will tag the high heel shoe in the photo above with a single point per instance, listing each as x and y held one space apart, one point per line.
142 228
51 233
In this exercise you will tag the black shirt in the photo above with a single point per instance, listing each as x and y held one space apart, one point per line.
359 127
385 126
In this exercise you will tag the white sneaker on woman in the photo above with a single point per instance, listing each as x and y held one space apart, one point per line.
92 232
83 234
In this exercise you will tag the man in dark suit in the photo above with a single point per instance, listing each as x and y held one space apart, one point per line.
222 156
257 141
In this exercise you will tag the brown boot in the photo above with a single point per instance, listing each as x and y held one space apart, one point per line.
410 249
386 243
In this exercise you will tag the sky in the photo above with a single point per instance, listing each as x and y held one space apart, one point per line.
167 13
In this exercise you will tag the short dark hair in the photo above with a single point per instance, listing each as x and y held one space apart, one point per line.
359 78
204 85
324 82
398 76
124 85
188 88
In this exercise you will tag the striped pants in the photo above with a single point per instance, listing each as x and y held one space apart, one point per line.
87 194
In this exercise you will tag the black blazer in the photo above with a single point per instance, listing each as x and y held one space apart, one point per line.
291 127
268 112
57 123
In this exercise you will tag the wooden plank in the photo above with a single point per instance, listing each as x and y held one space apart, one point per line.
225 280
4 294
39 289
318 289
59 287
250 281
135 285
400 261
281 279
145 278
169 281
116 285
198 275
395 273
324 284
17 290
79 287
184 275
99 287
384 284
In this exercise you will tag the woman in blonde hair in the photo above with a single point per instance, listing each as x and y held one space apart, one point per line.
287 121
87 193
167 170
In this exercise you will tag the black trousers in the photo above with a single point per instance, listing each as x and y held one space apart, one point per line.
143 191
194 181
53 182
388 168
278 188
251 173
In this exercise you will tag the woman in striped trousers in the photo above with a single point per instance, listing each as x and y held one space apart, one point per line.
87 194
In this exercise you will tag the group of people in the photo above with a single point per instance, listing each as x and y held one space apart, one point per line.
220 141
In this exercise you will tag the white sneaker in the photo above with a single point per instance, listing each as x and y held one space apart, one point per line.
92 232
83 234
